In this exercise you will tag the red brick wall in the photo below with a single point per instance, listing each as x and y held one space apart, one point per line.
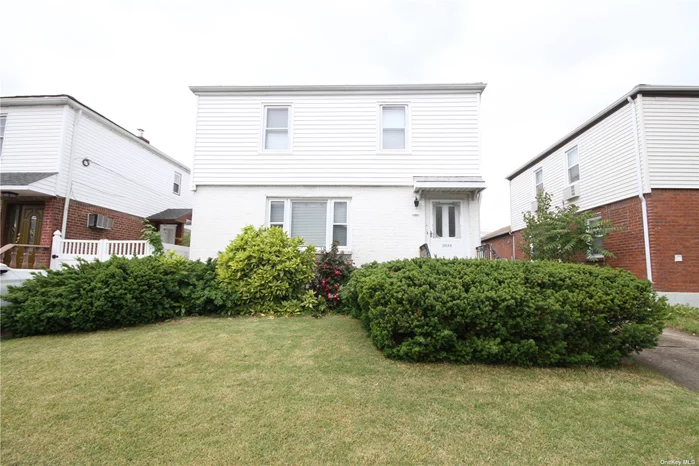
673 217
627 244
673 221
125 227
502 245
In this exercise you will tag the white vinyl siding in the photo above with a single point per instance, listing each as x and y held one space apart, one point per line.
394 121
123 175
32 138
277 121
606 160
318 221
335 140
672 141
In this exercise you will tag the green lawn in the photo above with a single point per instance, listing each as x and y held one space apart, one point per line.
682 317
315 391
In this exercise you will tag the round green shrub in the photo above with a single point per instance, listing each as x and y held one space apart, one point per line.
118 292
522 313
268 271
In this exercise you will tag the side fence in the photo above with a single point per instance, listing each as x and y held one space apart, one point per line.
68 251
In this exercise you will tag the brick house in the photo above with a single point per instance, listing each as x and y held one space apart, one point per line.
637 164
63 166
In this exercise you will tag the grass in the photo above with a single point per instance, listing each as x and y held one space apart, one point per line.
683 317
307 391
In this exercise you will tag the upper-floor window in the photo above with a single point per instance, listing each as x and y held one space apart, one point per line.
539 181
393 127
177 183
3 118
318 221
276 128
573 165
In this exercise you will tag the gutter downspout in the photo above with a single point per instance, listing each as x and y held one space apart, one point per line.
512 236
639 181
69 181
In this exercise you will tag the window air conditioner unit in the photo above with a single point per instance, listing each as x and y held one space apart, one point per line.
99 222
571 192
535 205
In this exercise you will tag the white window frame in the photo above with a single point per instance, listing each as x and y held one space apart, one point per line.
445 222
177 181
596 218
566 174
543 188
329 217
263 131
408 120
2 135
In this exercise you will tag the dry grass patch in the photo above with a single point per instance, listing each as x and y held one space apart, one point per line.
315 391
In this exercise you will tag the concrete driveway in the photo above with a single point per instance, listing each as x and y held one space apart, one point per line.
676 357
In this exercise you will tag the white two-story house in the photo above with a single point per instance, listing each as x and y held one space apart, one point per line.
381 169
636 163
65 167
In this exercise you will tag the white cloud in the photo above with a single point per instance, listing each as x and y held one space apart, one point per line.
549 65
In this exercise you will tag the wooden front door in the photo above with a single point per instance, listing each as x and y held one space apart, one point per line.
23 226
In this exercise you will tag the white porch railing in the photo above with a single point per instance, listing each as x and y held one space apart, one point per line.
68 251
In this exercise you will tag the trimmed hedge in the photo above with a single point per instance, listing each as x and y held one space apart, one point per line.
119 292
522 313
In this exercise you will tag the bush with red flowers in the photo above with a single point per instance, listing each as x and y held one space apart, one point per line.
333 269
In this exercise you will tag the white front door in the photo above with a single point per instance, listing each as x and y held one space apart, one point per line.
167 233
445 229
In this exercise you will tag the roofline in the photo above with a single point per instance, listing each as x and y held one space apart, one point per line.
342 89
645 89
495 234
65 99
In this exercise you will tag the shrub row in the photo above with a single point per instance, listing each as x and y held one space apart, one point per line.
522 313
115 293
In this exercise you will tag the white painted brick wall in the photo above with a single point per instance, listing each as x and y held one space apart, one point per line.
385 224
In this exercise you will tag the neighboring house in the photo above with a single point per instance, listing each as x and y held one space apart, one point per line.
637 164
53 148
500 241
382 169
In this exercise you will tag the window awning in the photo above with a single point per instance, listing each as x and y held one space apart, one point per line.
452 184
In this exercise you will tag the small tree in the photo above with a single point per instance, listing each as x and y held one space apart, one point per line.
563 233
152 235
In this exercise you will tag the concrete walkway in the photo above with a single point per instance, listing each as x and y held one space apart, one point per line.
676 357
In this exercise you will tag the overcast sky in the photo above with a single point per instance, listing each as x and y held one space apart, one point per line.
549 66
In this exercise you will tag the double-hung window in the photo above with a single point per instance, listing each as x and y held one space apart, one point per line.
573 161
277 124
539 181
177 183
394 127
3 119
318 221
